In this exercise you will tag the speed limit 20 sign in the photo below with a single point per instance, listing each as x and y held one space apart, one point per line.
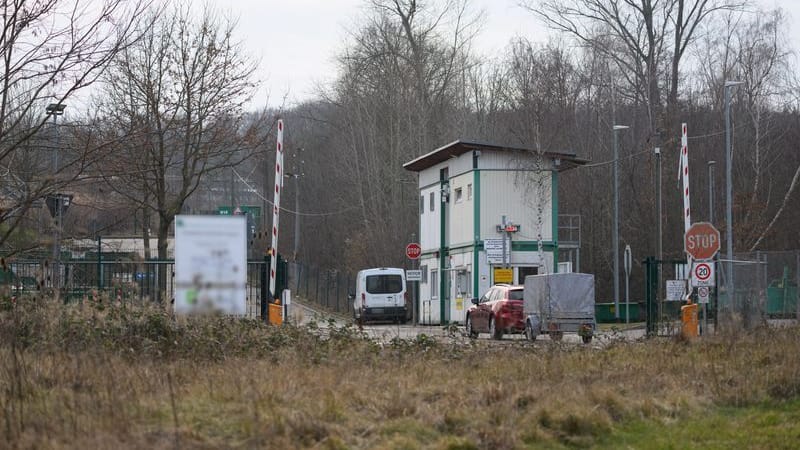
703 274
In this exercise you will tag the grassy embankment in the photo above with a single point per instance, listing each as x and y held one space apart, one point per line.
132 377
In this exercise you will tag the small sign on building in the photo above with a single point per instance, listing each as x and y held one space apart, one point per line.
494 250
503 275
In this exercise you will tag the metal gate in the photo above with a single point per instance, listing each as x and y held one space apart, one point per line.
662 311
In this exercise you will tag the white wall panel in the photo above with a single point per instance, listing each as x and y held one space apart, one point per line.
523 197
429 220
461 212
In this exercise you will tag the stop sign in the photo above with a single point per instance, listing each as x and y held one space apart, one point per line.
701 241
413 250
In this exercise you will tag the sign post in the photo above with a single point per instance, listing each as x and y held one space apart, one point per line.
701 242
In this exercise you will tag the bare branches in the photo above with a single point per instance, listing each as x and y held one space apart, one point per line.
178 94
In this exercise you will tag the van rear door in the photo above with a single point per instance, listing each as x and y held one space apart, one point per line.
385 291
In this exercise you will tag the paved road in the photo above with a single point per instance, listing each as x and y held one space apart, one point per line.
302 314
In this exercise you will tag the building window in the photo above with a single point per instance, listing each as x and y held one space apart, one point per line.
459 195
424 270
432 200
434 284
421 204
469 191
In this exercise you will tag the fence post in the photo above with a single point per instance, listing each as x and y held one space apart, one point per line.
797 282
264 288
650 280
316 289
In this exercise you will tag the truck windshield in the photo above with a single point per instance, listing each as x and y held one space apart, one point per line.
384 284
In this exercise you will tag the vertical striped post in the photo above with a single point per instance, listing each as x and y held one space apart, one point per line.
276 211
687 218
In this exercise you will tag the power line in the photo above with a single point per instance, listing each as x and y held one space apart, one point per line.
332 213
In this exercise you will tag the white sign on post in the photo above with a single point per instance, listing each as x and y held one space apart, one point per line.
702 295
676 290
210 264
702 273
494 250
413 275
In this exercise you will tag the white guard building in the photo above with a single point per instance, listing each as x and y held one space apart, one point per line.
487 214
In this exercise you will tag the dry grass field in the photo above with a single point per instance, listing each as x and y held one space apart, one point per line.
95 376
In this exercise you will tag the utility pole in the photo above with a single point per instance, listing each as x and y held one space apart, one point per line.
729 188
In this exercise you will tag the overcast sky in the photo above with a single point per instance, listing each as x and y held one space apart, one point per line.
297 40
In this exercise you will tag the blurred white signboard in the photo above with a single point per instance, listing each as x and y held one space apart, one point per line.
210 264
676 290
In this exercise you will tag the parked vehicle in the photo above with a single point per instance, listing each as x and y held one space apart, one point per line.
559 303
497 312
380 294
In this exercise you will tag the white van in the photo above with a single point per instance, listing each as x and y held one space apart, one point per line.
380 294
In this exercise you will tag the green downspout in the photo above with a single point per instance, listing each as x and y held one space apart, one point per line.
476 222
554 199
442 250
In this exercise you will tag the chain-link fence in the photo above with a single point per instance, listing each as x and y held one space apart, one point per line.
763 285
116 280
328 288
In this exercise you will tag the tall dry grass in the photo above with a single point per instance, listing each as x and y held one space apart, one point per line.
132 377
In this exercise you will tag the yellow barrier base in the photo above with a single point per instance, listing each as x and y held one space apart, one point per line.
275 313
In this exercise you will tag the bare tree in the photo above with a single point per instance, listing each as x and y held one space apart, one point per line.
399 95
177 98
637 35
51 50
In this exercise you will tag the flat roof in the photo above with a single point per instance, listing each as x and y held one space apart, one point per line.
459 147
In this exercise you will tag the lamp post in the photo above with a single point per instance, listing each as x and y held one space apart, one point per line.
615 239
711 165
54 110
729 188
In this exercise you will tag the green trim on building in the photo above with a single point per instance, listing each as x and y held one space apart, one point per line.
554 200
442 250
476 231
532 246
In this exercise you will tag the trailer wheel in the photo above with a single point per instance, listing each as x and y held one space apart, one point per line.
586 339
529 332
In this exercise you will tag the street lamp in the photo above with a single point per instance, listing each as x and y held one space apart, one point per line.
615 239
54 110
728 187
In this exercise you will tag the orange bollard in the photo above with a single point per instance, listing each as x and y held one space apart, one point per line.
690 324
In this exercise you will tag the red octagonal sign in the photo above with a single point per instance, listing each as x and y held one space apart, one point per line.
413 250
701 241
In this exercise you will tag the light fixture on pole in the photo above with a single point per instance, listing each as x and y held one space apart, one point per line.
54 110
615 239
729 189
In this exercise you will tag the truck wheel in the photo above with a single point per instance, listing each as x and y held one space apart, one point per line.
471 331
493 331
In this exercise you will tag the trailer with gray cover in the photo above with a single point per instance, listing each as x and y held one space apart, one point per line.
557 303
